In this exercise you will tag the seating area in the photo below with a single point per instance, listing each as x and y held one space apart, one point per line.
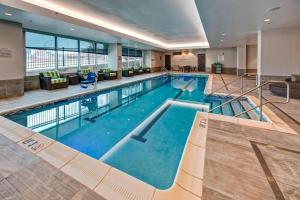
280 88
51 80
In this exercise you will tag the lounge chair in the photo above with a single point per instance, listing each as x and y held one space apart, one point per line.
280 88
110 74
138 71
127 72
82 73
51 80
146 69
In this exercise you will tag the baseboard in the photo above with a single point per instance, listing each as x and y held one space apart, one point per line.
11 88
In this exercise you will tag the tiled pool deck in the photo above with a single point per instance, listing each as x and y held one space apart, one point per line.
236 154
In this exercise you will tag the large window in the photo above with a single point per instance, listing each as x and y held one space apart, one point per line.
40 51
67 52
132 57
45 51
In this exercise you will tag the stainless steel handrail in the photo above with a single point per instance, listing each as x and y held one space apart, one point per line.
260 98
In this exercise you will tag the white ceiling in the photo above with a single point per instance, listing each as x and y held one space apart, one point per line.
156 21
242 19
166 24
50 25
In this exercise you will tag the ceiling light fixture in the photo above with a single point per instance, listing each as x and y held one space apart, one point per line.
273 9
267 20
114 27
223 34
8 14
72 29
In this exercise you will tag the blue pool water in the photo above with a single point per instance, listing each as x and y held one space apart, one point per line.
99 125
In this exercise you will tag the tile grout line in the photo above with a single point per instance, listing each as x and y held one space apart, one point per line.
270 178
187 190
190 174
102 179
280 148
77 153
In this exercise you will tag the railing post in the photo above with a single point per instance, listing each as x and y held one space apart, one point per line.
242 85
260 104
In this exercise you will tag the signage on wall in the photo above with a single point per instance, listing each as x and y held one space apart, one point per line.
5 53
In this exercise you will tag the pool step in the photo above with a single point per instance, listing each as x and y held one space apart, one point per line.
238 108
227 109
252 114
233 108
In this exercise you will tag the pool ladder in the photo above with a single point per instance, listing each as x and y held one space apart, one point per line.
258 87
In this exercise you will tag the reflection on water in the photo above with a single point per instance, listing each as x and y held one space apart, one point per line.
50 119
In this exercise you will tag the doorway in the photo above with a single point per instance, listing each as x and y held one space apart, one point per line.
168 62
201 62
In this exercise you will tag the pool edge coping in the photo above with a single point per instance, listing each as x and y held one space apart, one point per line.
44 144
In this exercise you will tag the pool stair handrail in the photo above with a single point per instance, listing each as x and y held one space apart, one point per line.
260 106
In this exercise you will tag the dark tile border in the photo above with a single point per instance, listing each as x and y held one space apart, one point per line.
272 182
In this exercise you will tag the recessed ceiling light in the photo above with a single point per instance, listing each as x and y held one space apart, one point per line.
267 20
72 29
273 9
8 14
223 34
221 40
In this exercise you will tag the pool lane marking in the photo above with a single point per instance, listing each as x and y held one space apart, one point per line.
145 130
134 131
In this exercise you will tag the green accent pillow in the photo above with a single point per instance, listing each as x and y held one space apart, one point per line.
84 71
51 74
58 80
106 70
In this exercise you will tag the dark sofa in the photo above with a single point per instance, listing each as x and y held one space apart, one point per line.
280 88
51 80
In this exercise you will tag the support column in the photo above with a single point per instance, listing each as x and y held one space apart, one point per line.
147 58
259 58
241 58
115 58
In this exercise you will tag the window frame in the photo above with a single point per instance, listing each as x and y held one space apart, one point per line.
56 51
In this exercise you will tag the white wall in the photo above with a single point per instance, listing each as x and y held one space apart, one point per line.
184 59
11 40
191 58
251 56
229 57
280 52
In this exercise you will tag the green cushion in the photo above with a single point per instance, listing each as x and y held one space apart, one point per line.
130 72
106 70
58 80
84 71
112 74
51 74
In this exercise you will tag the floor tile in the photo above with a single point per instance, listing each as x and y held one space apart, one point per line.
86 170
193 161
58 154
118 185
